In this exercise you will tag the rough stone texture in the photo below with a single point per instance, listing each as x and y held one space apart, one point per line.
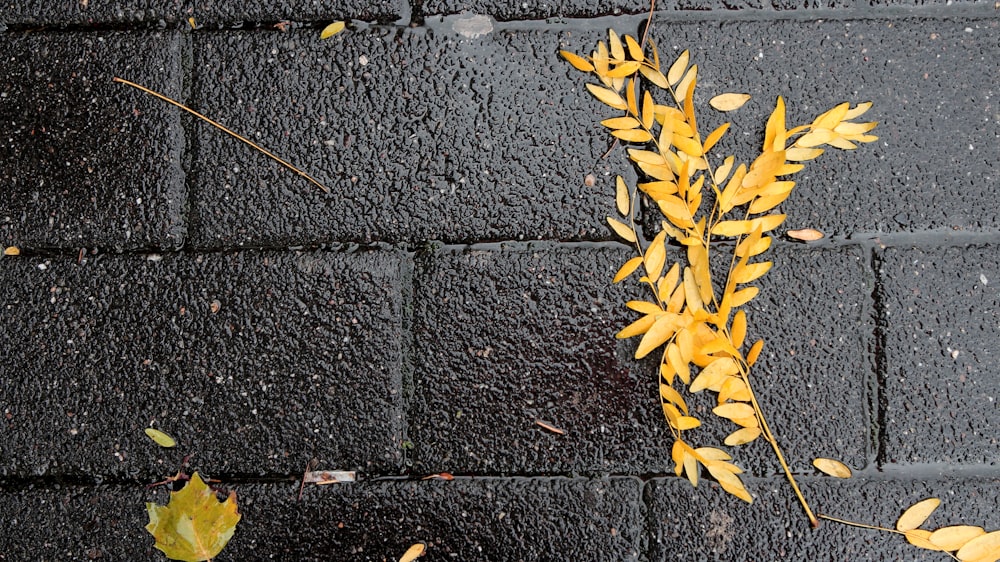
535 9
480 139
172 12
88 162
514 336
704 523
301 360
942 386
466 519
935 161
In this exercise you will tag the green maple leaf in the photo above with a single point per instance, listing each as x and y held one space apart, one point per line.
194 525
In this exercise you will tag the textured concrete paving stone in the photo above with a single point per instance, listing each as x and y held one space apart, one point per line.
705 523
936 160
167 12
504 11
942 387
511 337
300 360
88 162
419 134
466 519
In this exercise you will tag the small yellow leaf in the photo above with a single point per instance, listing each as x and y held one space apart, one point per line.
656 256
955 537
678 363
577 61
160 438
192 23
658 333
685 423
671 395
607 96
412 553
621 123
714 137
734 410
983 546
615 44
684 88
832 467
920 538
755 350
917 514
333 29
805 234
639 327
751 271
621 196
633 105
622 229
624 69
644 307
744 296
741 227
634 49
742 436
12 251
729 102
632 135
677 69
628 269
738 331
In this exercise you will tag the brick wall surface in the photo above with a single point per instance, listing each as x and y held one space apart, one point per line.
453 288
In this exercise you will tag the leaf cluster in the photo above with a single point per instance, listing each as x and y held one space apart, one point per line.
695 323
966 543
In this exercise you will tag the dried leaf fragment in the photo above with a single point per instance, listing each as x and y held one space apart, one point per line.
805 234
917 514
194 526
329 476
550 427
412 553
160 438
11 251
332 29
729 102
832 467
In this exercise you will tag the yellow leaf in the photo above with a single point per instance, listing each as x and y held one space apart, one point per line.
742 436
983 546
654 76
412 553
712 376
681 90
668 282
722 172
750 271
194 526
677 69
677 455
622 229
577 61
734 389
815 137
628 269
802 154
955 537
832 467
662 329
738 331
854 128
332 29
729 481
739 228
656 255
646 157
744 296
647 110
607 96
774 133
831 118
729 102
160 438
671 395
624 69
621 123
917 514
734 410
691 468
632 135
621 196
691 292
688 146
678 363
644 307
755 350
12 251
685 423
857 111
634 50
920 538
714 137
640 326
712 454
806 234
749 421
749 247
765 204
615 43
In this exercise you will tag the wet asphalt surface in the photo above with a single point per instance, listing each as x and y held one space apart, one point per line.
454 286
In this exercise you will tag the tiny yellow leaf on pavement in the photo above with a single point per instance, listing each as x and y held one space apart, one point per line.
955 537
729 102
805 234
161 439
11 251
832 467
982 547
333 29
412 553
917 514
577 61
622 229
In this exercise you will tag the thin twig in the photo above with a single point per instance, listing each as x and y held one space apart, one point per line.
225 130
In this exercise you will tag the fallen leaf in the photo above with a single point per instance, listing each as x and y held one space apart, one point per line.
161 439
194 526
917 514
439 476
412 553
192 23
729 102
805 234
982 547
550 427
832 467
12 251
955 537
332 29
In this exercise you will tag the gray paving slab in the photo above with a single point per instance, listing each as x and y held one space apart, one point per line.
88 162
466 519
704 523
205 12
665 9
512 336
935 161
942 387
419 134
300 359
